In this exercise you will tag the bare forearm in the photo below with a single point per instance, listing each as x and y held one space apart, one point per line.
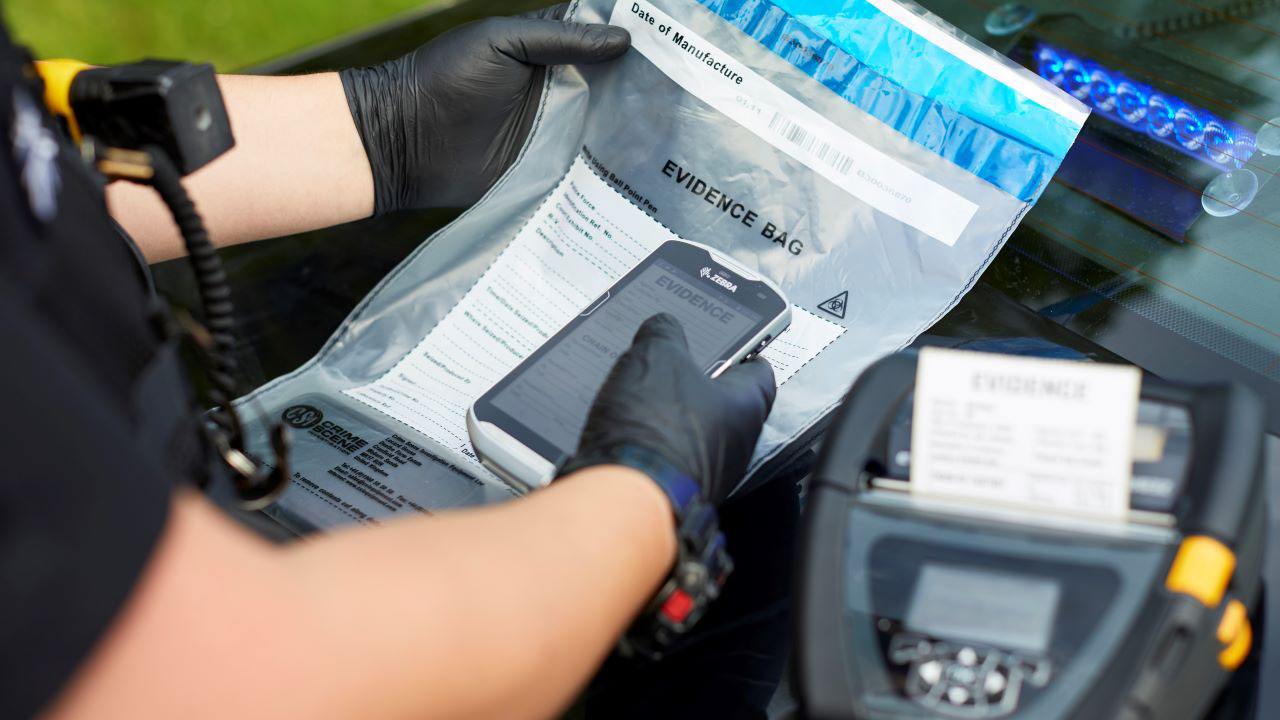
496 612
297 165
503 612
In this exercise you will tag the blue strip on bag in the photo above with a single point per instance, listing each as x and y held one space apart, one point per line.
914 87
913 62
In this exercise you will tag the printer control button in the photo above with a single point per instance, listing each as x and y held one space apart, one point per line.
930 672
957 695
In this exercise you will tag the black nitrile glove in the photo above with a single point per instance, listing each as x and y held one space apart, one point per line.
657 399
440 124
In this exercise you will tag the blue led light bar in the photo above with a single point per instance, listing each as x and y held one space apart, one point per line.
1184 127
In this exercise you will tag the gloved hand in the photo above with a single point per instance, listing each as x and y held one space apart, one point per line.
656 398
440 124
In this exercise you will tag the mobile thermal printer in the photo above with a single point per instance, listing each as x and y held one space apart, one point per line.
912 607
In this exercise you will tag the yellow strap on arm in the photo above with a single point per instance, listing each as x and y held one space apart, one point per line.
57 76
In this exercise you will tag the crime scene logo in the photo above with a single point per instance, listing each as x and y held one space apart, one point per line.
302 416
706 273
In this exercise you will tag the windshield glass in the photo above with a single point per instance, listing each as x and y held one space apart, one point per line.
1159 239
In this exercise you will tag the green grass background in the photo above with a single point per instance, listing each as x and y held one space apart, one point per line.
229 33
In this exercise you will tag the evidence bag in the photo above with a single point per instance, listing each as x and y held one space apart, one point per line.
866 156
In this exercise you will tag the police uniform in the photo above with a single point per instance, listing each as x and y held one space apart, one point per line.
98 419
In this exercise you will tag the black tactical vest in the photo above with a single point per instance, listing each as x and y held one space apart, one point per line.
97 423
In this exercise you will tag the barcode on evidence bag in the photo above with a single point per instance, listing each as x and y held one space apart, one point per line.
808 141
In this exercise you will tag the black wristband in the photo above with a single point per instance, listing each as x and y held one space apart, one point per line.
702 560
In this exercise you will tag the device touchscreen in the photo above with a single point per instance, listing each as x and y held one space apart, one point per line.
552 392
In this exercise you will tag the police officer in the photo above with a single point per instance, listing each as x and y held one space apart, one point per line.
126 594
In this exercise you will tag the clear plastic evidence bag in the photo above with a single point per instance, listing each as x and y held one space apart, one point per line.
865 155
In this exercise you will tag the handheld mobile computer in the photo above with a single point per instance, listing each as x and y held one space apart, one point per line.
528 423
917 607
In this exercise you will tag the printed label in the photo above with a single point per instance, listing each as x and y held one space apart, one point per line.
789 125
345 470
1051 436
